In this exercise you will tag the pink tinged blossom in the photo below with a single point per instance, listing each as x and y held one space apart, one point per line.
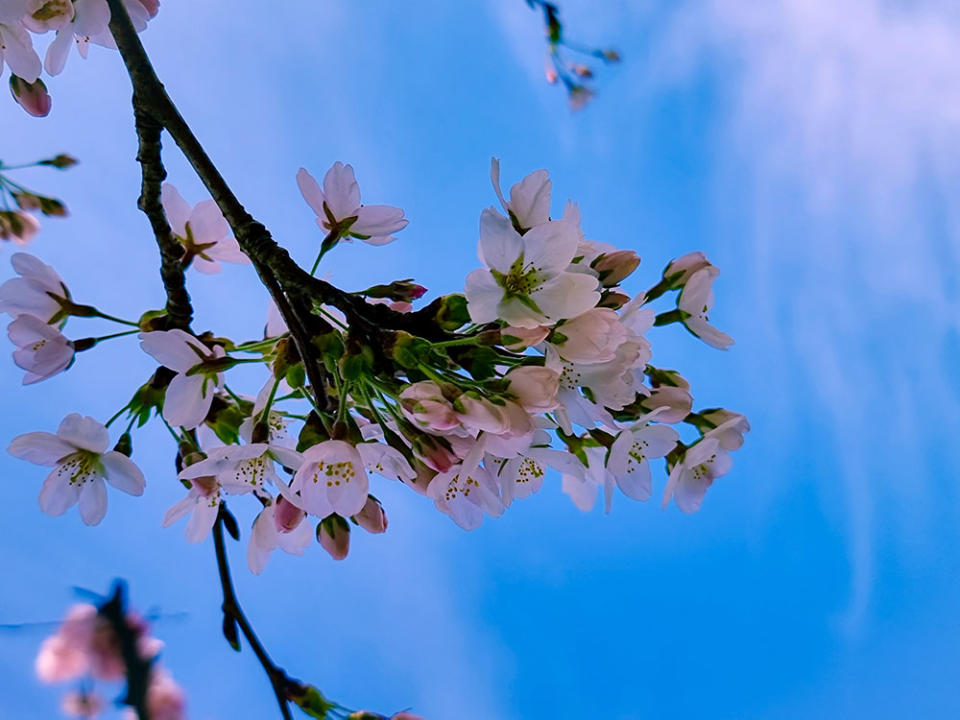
630 454
241 469
140 12
674 403
695 301
202 503
592 337
581 483
190 393
425 405
465 497
42 350
82 704
276 325
80 460
529 202
16 46
202 230
681 269
436 453
280 524
35 292
90 20
695 472
60 660
372 518
385 461
277 424
524 282
47 15
334 536
338 207
332 479
32 97
730 427
480 414
534 387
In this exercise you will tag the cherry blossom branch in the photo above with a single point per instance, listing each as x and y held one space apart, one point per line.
233 615
179 309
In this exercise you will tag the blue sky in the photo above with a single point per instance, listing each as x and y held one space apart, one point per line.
810 148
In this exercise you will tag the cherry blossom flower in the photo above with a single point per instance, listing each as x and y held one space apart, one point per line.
90 19
680 270
46 15
592 337
729 427
277 423
16 46
279 524
38 291
629 459
82 704
529 203
465 497
202 230
202 503
338 207
331 479
42 350
674 403
525 282
384 460
241 469
703 463
695 301
190 393
81 463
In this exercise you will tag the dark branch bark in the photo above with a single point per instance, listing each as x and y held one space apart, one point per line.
179 309
234 613
114 611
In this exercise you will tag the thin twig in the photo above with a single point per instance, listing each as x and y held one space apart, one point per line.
114 611
233 612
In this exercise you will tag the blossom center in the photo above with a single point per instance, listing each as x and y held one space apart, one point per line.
80 467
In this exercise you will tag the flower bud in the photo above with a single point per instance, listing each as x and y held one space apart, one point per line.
424 404
677 401
372 517
518 339
333 533
398 290
124 445
435 452
452 312
679 271
32 97
286 515
478 413
18 226
592 337
61 161
535 387
614 267
613 300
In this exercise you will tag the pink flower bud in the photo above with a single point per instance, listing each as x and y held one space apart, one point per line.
151 6
435 452
478 413
372 517
685 266
614 267
286 515
592 337
535 387
517 339
424 404
677 400
333 533
32 97
20 227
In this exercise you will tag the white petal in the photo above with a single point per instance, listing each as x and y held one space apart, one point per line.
207 223
178 510
378 220
93 501
84 432
551 246
18 52
483 296
202 520
123 473
41 448
57 495
341 191
185 404
176 209
530 199
58 51
500 245
567 295
310 189
175 349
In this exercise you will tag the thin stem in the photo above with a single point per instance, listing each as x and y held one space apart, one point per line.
232 609
115 335
116 319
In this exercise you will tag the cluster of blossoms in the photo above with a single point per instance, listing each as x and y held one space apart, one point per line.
67 23
542 363
88 647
